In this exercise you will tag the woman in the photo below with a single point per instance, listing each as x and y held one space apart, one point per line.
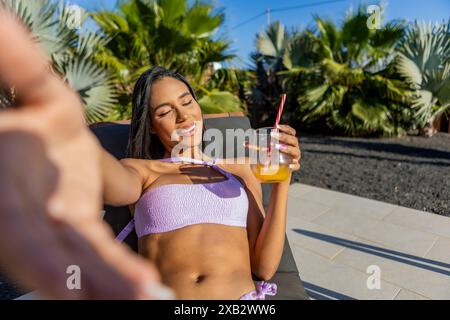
201 223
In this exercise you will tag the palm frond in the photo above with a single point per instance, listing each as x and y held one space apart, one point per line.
219 101
424 62
72 52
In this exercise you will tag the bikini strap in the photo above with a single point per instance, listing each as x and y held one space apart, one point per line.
125 231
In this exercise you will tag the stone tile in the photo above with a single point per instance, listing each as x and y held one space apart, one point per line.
311 237
346 221
408 295
403 239
414 273
299 190
440 251
398 237
304 209
363 206
420 220
335 280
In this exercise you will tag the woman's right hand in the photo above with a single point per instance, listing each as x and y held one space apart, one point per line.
51 186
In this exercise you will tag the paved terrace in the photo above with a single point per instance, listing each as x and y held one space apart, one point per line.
335 237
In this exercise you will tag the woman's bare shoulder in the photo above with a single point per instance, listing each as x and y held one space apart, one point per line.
238 166
138 164
149 169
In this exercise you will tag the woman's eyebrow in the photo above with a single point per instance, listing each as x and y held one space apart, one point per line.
184 95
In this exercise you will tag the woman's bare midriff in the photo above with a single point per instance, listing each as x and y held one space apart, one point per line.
204 261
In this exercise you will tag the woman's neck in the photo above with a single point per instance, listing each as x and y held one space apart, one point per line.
193 153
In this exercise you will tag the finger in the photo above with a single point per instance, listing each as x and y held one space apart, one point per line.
293 152
23 64
36 258
286 129
130 271
294 167
285 138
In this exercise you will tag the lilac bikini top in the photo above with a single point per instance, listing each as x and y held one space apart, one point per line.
173 206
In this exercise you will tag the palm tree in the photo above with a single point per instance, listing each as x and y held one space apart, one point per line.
267 62
168 33
71 52
343 79
424 62
271 45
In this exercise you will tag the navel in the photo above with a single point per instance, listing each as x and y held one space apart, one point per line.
200 278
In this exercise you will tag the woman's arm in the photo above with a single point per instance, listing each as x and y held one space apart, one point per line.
122 180
51 188
266 234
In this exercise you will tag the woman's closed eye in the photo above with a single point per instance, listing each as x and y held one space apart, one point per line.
188 103
164 112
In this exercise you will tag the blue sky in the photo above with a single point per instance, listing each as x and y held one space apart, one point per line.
243 38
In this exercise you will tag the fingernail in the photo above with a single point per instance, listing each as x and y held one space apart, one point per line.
159 291
281 147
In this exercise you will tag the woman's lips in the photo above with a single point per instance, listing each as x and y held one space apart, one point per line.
187 132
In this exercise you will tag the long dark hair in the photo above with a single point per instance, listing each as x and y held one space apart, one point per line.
142 144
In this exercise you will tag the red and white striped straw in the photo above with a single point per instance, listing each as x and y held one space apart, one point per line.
280 109
277 121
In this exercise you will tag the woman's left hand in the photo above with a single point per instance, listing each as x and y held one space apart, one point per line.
288 144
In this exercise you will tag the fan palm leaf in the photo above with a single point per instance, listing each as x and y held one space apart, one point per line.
424 62
71 52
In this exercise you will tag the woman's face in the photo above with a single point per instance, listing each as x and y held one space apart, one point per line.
175 115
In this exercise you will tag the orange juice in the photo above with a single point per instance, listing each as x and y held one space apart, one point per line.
271 173
268 163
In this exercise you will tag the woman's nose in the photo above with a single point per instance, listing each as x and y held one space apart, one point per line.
182 115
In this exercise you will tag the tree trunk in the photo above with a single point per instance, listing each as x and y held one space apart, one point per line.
429 129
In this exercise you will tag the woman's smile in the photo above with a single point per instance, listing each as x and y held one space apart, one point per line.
187 131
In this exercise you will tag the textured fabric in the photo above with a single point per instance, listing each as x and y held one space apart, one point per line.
262 289
173 206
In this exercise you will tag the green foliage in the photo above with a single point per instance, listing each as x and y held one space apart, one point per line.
264 84
167 33
342 77
424 62
218 101
71 52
